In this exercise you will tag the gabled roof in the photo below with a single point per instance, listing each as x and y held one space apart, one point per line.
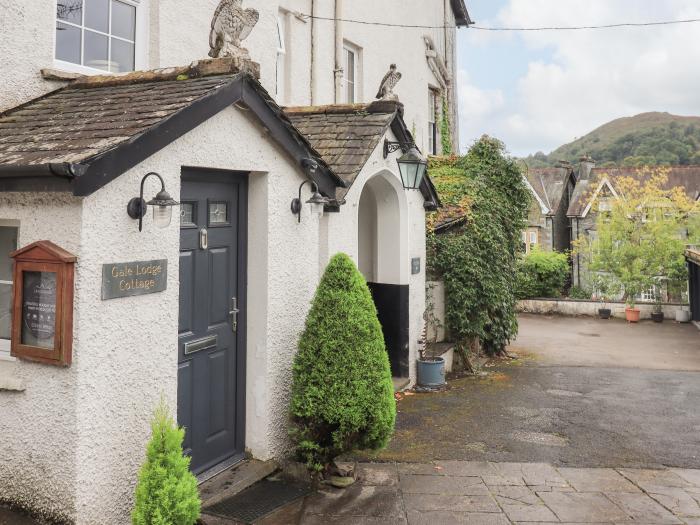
461 13
86 134
687 177
347 135
549 186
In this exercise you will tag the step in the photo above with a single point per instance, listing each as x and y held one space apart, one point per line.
234 480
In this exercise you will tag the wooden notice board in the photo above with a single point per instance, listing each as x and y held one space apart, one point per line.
42 308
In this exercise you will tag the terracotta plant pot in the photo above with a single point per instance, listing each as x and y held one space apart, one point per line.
632 315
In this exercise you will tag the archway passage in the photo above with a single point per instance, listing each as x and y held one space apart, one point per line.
381 247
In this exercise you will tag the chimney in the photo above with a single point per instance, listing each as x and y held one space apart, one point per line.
586 164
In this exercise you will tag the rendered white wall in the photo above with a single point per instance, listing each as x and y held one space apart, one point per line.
38 426
179 34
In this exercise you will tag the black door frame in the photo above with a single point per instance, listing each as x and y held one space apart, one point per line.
190 173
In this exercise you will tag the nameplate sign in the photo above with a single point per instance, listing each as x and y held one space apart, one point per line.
134 278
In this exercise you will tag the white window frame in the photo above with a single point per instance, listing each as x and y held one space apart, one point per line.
433 116
140 43
5 344
349 47
281 66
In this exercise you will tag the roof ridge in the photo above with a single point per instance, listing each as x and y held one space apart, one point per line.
377 106
198 69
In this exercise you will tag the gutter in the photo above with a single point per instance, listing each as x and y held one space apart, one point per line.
65 170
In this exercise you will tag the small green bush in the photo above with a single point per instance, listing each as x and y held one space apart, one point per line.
542 274
166 493
578 292
342 393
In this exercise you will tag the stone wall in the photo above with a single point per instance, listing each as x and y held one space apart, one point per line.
590 308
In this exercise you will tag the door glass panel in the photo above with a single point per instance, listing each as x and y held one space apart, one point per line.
97 15
70 11
96 50
218 213
68 43
187 215
123 20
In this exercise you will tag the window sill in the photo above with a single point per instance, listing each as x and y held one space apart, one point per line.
60 75
8 381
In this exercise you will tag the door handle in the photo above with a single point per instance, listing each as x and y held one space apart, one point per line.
234 314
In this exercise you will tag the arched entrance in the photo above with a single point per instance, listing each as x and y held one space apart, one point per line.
382 259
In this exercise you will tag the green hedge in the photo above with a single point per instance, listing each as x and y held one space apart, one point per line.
342 393
542 274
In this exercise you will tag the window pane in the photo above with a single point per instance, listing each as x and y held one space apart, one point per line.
70 11
123 20
122 56
350 66
218 213
96 51
5 311
187 214
8 244
97 15
39 309
68 43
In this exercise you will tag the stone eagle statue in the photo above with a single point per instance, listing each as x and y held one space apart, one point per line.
231 25
386 89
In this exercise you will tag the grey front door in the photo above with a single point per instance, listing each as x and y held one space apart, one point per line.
211 349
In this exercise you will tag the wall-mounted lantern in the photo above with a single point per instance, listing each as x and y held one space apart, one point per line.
162 205
412 165
317 201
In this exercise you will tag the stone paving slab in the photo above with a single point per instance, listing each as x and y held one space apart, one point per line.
483 493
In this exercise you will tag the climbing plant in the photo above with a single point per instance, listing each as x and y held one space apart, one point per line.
478 259
445 130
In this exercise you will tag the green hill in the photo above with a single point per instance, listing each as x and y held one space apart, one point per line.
655 139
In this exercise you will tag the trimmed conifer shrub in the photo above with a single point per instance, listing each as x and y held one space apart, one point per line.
342 393
166 493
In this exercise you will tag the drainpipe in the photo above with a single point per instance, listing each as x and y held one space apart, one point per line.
578 259
312 75
338 52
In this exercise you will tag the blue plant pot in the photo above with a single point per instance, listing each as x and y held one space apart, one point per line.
431 373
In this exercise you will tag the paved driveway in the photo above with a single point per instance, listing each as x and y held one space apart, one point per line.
583 393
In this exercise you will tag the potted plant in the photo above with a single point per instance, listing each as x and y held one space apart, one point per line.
606 288
632 314
430 370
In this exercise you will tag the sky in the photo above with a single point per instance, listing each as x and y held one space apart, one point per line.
539 90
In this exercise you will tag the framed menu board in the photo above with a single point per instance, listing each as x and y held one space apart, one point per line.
42 309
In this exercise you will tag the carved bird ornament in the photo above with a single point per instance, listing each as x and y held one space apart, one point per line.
229 27
386 89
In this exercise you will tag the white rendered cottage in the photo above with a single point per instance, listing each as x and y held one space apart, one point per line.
207 310
237 273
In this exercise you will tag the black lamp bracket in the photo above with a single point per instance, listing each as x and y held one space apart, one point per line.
296 203
137 206
391 147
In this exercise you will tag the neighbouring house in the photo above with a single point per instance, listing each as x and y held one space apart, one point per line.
104 310
548 225
693 258
595 191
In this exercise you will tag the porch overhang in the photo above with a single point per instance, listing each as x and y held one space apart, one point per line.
83 153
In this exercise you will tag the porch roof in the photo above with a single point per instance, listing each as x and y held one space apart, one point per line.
82 136
347 135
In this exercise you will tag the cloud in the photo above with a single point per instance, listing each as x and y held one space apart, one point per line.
576 81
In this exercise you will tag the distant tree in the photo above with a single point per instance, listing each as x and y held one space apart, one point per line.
642 239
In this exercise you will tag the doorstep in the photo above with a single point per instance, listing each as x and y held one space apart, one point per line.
234 480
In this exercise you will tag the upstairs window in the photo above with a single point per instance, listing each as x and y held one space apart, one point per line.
350 75
432 122
8 244
281 71
97 34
